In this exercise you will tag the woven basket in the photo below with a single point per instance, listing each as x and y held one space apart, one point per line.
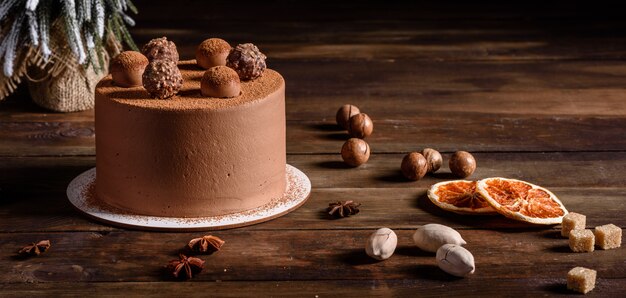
63 85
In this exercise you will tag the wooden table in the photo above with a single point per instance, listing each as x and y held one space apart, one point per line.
535 95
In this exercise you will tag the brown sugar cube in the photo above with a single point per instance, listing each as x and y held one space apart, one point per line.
572 221
581 240
608 236
581 279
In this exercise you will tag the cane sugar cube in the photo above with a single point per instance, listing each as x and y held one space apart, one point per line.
581 240
608 236
581 279
572 221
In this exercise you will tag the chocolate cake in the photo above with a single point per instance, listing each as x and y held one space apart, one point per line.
190 155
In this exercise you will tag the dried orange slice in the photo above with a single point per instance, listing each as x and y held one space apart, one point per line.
459 196
522 201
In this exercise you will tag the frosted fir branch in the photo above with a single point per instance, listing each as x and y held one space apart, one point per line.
33 27
126 35
121 4
11 45
79 10
98 8
74 39
32 5
132 7
86 4
89 38
127 19
6 6
43 15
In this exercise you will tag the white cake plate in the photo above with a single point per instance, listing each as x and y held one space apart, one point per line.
79 194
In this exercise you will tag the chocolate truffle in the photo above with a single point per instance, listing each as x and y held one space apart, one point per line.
220 81
162 79
127 68
212 52
160 49
247 61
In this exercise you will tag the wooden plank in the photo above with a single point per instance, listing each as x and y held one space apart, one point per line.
403 208
589 169
408 89
293 255
33 192
425 287
476 134
378 31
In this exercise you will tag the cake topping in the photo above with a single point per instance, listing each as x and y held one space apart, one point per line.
185 267
127 68
160 49
343 208
220 81
212 52
162 79
208 243
247 61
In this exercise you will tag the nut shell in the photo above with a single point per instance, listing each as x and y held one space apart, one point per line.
462 164
456 260
162 79
431 237
127 68
345 113
433 159
360 126
220 81
212 52
160 49
381 244
414 166
355 152
247 61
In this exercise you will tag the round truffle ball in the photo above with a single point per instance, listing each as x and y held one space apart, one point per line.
247 61
160 49
220 81
127 68
355 152
360 126
162 79
433 159
344 113
212 52
462 164
414 166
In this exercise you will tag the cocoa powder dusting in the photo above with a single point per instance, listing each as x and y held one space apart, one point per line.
129 60
189 96
221 75
213 46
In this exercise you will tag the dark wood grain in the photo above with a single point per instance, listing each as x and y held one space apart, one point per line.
534 90
424 287
294 255
598 169
388 199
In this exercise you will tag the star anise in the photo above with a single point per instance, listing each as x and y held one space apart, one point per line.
185 267
343 208
35 249
208 243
